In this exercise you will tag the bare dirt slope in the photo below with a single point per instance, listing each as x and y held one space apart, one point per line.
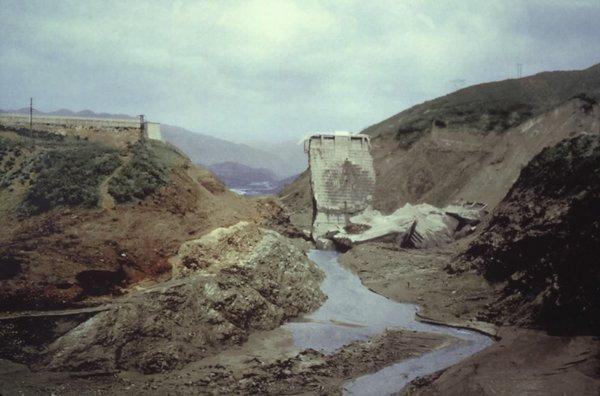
472 143
58 246
448 165
543 241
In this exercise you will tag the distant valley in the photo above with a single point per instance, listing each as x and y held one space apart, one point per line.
245 180
208 150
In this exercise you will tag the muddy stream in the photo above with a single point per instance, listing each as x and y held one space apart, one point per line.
353 312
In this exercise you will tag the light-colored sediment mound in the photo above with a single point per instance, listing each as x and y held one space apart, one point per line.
243 284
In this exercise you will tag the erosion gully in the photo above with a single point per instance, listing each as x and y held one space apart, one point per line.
352 312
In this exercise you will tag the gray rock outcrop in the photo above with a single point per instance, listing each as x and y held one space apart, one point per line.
243 284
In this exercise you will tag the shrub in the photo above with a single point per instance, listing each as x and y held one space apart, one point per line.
68 176
141 176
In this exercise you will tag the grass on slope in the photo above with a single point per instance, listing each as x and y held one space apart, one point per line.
492 107
67 176
55 170
142 175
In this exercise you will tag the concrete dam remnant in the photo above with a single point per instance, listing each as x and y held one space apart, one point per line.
129 129
342 179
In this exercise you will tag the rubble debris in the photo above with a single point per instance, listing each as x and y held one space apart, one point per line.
412 226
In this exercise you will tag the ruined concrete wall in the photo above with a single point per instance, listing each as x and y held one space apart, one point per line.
54 121
342 179
153 131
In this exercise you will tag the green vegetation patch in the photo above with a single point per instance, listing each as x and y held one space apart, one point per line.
69 176
8 148
497 116
10 151
146 172
36 134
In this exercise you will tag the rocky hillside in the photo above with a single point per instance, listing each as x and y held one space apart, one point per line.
471 144
284 158
543 241
82 219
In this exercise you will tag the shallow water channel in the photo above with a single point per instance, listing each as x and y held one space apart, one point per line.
352 312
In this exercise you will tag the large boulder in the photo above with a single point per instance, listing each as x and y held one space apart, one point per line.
241 278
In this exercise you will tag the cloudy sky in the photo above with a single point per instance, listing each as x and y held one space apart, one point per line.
278 69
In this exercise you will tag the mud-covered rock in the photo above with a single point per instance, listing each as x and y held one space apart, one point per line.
246 284
543 241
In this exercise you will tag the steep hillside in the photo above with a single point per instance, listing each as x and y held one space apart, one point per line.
543 241
494 106
208 150
471 144
83 219
448 165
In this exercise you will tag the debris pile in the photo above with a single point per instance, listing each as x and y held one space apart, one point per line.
411 226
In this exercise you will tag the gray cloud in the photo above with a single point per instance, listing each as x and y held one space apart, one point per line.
277 69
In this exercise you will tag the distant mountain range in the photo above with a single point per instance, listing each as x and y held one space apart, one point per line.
284 159
70 113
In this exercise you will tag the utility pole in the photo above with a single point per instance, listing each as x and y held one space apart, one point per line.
30 115
519 70
142 127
